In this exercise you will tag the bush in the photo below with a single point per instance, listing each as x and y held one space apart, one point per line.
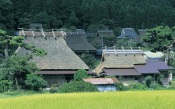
53 88
148 80
73 28
137 86
5 85
77 86
121 87
118 86
155 85
80 74
35 82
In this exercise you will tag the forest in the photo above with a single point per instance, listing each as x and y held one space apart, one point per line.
86 14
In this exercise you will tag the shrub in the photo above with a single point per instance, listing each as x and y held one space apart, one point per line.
77 86
53 88
148 80
80 74
118 86
121 87
155 85
138 86
35 82
73 28
5 85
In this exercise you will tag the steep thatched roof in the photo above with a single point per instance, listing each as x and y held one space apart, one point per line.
118 59
78 42
59 56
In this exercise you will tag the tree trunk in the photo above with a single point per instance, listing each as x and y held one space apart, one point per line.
6 51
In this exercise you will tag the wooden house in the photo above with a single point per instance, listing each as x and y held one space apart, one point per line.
60 63
131 66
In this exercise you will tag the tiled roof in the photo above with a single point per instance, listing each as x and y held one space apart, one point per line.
128 32
152 66
121 72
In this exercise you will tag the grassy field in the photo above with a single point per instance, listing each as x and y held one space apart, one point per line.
108 100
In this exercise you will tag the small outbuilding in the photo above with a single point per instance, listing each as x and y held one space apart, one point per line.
103 84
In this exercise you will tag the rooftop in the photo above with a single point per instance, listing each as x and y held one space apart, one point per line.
78 42
101 80
59 55
128 33
120 58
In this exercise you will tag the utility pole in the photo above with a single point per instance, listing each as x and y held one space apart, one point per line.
102 42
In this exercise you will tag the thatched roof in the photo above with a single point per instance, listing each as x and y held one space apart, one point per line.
59 55
78 42
120 60
105 33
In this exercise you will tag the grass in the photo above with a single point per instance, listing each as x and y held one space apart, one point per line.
109 100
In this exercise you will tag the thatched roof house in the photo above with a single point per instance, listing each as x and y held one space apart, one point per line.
60 63
77 41
130 64
119 59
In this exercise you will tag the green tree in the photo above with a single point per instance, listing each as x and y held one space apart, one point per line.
9 44
35 82
148 80
15 68
80 74
160 38
73 19
6 15
89 59
6 41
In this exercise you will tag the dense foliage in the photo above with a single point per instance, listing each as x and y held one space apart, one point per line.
9 44
15 68
89 59
160 38
35 82
5 85
86 13
77 86
80 74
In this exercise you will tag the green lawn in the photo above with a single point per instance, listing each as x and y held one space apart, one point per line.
108 100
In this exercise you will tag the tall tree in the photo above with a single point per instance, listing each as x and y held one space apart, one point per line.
6 15
160 38
73 20
9 44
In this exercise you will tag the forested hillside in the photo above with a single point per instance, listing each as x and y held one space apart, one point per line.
87 14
